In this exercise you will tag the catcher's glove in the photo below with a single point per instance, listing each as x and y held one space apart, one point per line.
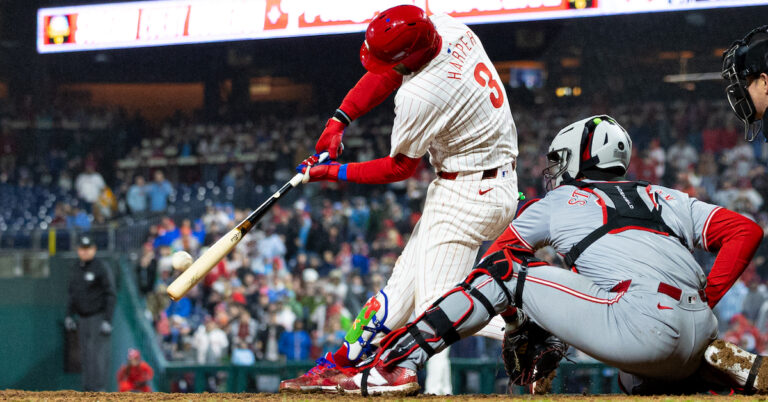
531 353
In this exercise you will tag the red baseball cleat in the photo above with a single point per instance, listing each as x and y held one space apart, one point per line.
378 380
324 377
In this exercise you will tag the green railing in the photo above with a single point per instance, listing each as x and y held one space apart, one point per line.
141 330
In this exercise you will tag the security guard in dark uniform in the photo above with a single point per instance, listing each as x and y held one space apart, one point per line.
92 298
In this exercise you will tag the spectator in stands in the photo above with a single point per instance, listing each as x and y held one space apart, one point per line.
754 299
135 375
89 184
731 304
269 337
242 355
187 241
167 232
78 218
157 302
215 217
60 214
146 272
244 328
295 344
333 336
137 196
92 298
159 191
181 308
210 342
175 337
8 150
744 334
682 154
105 207
749 196
260 309
165 261
357 294
65 182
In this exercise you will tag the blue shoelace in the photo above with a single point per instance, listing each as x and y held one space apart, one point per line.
321 363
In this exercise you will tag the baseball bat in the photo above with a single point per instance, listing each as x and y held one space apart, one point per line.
205 263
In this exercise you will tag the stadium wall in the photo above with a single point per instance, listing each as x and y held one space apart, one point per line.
32 342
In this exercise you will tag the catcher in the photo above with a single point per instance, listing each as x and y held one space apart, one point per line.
634 297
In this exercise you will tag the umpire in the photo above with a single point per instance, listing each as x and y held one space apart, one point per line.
92 298
745 67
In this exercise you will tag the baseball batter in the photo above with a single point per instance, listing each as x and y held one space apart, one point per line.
450 104
635 298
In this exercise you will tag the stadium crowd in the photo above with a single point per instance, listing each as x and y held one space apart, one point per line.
291 288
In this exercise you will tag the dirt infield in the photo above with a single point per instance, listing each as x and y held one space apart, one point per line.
52 396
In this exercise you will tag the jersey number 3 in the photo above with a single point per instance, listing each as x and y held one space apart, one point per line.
482 73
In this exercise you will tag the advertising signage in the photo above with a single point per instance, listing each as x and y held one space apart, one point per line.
173 22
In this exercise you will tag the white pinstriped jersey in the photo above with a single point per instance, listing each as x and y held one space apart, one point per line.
455 107
568 214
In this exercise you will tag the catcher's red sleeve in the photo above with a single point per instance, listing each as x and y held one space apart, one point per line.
370 91
510 237
737 238
383 170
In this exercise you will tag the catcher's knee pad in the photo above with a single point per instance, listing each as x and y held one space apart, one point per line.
369 322
505 265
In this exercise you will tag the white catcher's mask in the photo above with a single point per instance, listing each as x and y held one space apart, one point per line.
595 142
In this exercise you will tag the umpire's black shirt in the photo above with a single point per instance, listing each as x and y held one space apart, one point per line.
91 290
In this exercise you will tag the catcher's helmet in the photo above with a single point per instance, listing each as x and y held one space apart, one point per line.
744 58
595 143
401 34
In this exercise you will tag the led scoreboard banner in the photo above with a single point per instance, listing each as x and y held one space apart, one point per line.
173 22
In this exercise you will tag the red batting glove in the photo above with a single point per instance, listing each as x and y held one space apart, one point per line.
312 160
324 172
330 139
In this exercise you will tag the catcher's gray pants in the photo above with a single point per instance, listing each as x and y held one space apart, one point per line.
634 328
94 353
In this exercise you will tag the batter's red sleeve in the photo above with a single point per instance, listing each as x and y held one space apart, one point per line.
735 238
383 170
370 91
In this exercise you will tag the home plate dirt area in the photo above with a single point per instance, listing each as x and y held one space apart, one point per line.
51 396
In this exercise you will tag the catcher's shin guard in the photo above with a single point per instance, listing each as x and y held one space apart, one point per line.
369 322
459 313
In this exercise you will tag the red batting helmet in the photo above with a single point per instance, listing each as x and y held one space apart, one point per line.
401 34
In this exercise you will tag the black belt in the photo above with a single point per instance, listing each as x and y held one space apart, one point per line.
487 174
